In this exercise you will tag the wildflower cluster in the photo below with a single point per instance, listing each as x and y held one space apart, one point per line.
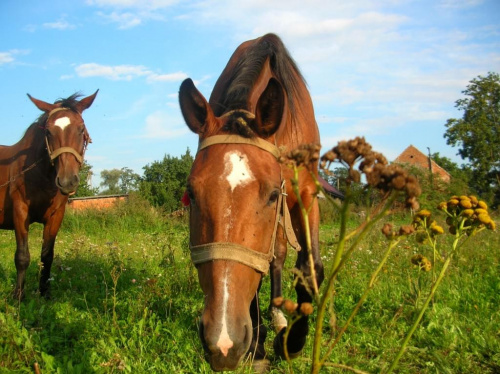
379 174
466 213
426 226
291 308
304 155
422 262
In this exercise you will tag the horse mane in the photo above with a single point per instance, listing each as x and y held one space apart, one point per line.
247 70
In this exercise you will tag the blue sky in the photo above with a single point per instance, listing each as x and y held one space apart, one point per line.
387 70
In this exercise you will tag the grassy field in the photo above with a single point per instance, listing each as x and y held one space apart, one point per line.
125 298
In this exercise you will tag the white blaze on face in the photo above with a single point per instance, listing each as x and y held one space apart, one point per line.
62 122
224 342
237 171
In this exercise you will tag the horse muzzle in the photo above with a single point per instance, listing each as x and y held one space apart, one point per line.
226 353
68 184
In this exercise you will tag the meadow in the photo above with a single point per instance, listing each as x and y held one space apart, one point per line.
125 298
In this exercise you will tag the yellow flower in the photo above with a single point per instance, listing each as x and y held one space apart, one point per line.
468 212
482 205
436 229
424 213
453 202
465 203
442 206
473 200
480 211
491 225
484 218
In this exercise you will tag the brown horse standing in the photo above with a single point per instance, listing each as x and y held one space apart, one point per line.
37 175
259 107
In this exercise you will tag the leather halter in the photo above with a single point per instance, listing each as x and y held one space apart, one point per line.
235 252
53 154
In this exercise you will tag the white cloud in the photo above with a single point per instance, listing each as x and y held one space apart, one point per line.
61 24
141 4
10 56
6 57
119 72
173 77
163 125
125 20
126 72
131 13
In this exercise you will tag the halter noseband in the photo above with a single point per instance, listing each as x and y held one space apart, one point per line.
235 252
53 154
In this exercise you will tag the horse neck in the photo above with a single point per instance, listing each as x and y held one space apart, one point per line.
32 144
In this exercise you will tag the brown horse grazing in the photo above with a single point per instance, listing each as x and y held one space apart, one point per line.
37 175
239 194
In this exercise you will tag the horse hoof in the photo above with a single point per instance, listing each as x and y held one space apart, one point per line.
278 346
261 366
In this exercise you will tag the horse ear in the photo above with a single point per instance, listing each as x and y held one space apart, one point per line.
269 109
42 105
194 107
86 102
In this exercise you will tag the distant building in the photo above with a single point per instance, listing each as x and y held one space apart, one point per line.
413 156
330 190
95 202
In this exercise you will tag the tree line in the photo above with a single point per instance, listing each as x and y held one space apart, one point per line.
476 135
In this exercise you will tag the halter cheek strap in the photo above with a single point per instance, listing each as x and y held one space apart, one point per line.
235 252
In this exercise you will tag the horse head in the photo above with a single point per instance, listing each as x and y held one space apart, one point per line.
66 138
235 190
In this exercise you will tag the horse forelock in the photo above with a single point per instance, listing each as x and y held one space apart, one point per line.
238 123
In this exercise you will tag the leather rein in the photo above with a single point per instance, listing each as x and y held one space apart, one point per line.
53 154
235 252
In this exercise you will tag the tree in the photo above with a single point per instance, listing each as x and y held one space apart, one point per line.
477 134
119 181
164 182
85 186
460 175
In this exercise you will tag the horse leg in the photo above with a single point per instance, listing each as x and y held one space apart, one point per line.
22 255
50 230
257 350
298 332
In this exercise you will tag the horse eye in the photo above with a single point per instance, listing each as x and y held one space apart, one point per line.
190 193
274 196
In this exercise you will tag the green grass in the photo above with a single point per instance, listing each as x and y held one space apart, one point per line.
125 298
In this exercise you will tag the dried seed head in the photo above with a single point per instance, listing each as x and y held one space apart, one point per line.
306 309
406 230
289 306
305 155
387 231
278 301
375 167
